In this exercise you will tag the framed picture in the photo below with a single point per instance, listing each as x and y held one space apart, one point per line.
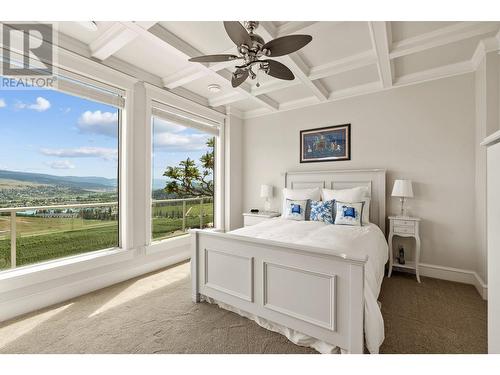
332 143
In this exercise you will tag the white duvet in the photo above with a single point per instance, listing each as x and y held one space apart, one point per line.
367 240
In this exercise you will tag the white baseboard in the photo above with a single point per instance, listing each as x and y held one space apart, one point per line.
29 299
453 274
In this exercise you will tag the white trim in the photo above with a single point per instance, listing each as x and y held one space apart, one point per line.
293 27
115 38
440 37
343 65
491 139
168 244
452 274
379 34
435 73
162 96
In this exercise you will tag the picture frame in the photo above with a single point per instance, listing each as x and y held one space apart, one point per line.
330 143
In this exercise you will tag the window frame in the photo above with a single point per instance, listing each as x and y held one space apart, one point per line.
115 86
158 99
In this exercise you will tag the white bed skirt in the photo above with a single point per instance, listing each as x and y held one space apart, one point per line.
297 338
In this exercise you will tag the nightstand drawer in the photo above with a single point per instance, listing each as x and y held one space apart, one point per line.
404 229
404 223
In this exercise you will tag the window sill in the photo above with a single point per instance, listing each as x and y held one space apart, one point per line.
169 244
40 272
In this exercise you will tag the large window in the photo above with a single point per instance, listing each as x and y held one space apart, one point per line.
183 170
58 174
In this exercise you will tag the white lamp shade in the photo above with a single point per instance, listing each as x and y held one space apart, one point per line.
266 191
402 188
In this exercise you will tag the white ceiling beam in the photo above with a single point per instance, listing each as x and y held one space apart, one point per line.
196 71
343 65
184 76
380 34
334 96
274 85
114 38
349 92
225 99
185 93
441 37
169 42
435 73
295 63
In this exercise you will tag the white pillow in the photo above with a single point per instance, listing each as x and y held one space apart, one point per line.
352 195
355 194
349 213
299 194
295 210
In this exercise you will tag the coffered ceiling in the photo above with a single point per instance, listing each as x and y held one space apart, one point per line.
344 59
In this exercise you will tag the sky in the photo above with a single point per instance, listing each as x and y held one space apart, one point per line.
45 131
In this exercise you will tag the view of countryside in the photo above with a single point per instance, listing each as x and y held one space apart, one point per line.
59 177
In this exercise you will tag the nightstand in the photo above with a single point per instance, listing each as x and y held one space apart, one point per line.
252 219
405 227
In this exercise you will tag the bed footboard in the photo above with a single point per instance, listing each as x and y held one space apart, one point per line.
303 288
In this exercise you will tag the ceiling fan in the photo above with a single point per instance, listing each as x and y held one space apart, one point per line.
252 47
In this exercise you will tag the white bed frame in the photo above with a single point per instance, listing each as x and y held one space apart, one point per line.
303 288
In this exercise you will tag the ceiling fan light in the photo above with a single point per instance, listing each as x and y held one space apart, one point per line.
214 87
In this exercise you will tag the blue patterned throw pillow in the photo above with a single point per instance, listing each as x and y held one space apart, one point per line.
349 213
322 211
295 209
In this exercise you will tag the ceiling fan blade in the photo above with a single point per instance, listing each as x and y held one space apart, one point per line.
278 70
286 44
213 58
239 77
237 33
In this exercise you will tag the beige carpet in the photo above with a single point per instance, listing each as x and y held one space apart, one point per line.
154 314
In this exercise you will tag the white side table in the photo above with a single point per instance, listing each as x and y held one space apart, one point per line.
255 218
405 227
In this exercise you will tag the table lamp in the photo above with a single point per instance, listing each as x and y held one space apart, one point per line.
402 189
266 191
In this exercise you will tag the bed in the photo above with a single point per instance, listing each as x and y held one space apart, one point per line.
315 283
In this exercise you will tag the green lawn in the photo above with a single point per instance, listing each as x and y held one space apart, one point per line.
39 248
41 239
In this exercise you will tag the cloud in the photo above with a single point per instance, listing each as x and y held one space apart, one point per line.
97 122
162 126
40 105
65 110
82 152
171 142
171 137
2 103
61 164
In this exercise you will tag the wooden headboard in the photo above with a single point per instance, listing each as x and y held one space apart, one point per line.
373 179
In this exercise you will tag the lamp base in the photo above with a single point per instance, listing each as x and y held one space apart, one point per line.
267 205
403 211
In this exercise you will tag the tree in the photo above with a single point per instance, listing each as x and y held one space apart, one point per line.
187 180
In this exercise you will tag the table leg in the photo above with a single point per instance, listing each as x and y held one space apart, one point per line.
417 258
390 254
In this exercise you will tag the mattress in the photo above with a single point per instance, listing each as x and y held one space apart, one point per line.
367 240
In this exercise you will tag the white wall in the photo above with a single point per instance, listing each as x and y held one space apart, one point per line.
487 85
423 132
234 161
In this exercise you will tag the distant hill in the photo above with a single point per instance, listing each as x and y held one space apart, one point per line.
85 183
